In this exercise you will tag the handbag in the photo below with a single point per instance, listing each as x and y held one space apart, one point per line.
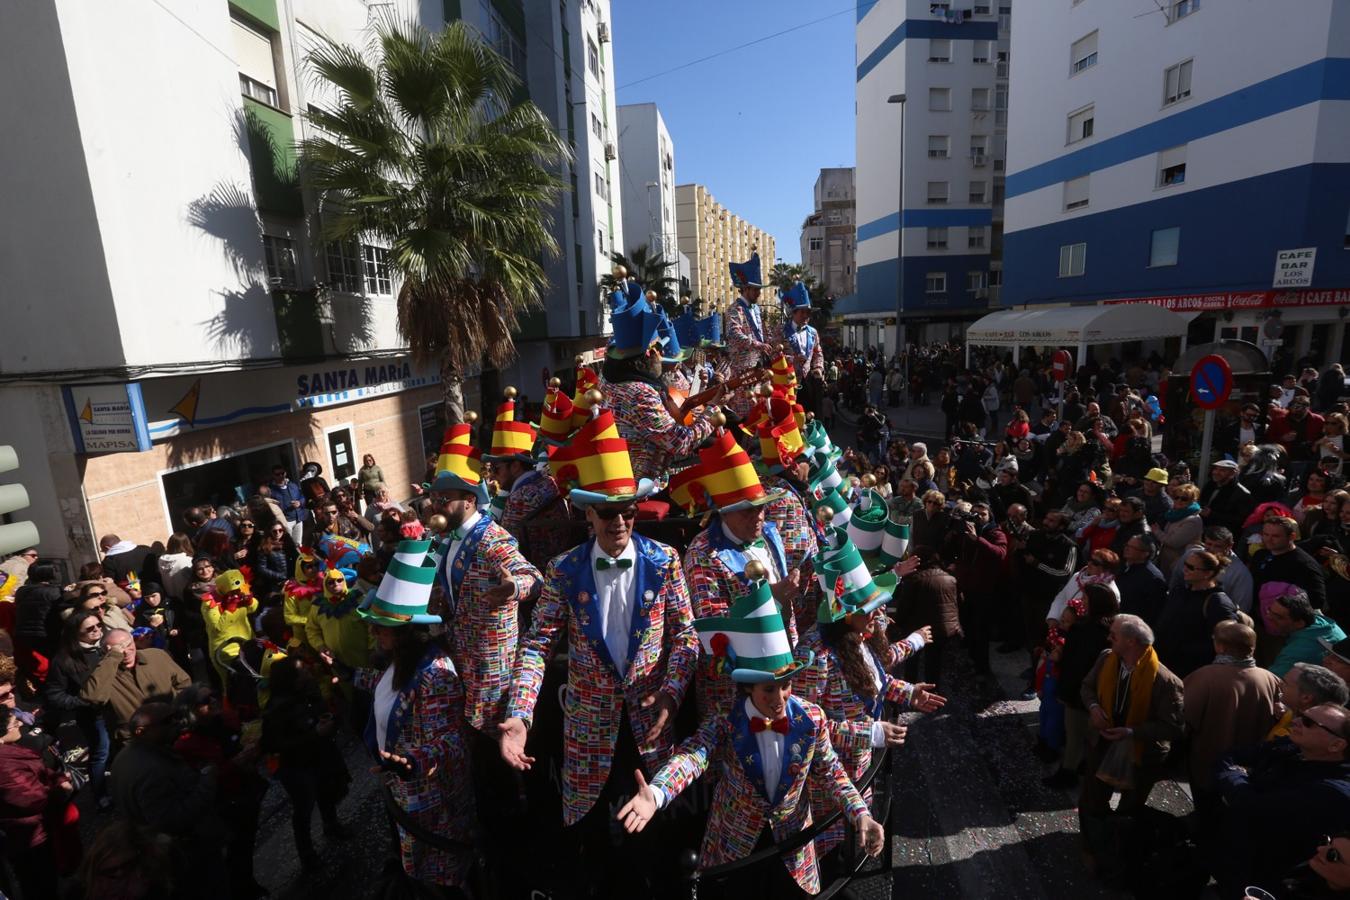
1117 766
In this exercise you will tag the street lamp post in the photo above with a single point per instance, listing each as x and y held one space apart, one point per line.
900 330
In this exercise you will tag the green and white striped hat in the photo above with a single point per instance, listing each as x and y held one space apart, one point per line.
405 590
497 505
750 640
822 479
868 523
845 580
894 543
837 505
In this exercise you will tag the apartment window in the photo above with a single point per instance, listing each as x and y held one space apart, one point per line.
1076 193
601 187
979 99
1072 260
502 38
1177 83
1164 245
1172 167
1083 53
980 50
977 281
376 261
937 192
980 9
345 266
935 283
939 50
1000 191
592 57
1180 9
280 257
979 148
815 243
257 70
937 238
597 128
939 146
978 192
600 239
940 99
1080 124
976 238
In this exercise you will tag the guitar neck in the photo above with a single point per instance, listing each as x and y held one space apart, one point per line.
702 397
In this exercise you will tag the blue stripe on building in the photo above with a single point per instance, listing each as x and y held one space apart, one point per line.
876 286
1324 79
865 7
926 28
1229 236
927 217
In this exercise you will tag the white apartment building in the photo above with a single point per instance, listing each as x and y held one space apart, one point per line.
927 246
829 234
1178 156
647 168
178 327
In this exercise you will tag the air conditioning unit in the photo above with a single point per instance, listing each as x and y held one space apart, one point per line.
610 152
977 160
603 30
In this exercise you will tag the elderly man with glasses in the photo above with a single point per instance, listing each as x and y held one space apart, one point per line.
127 677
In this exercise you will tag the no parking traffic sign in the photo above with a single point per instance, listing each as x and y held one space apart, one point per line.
1211 382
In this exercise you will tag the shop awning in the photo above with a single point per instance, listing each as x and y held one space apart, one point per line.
1070 325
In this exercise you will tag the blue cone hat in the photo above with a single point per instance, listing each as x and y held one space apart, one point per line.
797 297
671 351
709 331
626 294
747 274
686 328
635 328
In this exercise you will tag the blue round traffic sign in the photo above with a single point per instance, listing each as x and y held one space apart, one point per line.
1211 382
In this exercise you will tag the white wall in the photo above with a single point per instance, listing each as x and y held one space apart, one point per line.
641 134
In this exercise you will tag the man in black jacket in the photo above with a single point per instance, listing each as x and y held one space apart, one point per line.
1224 501
121 558
35 621
1132 523
1143 589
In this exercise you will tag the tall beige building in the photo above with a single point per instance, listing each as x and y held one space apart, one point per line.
712 236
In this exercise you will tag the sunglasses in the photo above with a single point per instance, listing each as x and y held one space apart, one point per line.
1308 721
95 594
278 531
93 627
1332 855
609 513
246 525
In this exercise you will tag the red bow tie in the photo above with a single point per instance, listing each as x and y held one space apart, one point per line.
779 725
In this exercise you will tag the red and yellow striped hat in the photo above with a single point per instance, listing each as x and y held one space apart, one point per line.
729 478
780 436
459 467
510 439
595 465
555 420
784 375
587 380
686 490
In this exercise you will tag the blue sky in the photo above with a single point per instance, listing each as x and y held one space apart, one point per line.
757 125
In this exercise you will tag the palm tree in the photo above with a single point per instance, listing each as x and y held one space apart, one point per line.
425 150
652 271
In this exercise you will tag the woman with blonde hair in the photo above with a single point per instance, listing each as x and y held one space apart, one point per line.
1181 526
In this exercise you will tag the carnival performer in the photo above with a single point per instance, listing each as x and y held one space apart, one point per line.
803 345
634 391
737 534
417 731
622 602
298 594
773 742
534 513
847 671
225 612
483 578
746 343
333 629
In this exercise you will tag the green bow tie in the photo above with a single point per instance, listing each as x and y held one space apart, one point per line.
457 535
601 564
757 542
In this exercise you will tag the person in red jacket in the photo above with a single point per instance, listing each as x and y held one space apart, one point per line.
33 810
978 547
1295 429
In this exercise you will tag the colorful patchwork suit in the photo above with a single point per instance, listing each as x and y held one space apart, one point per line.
850 714
483 635
715 566
804 350
741 808
655 439
536 517
662 653
746 348
426 725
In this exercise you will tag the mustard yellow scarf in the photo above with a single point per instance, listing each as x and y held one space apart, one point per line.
1141 691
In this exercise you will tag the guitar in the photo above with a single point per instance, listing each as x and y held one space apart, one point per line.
682 406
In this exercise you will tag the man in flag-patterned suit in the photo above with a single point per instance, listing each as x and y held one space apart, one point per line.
622 602
747 342
533 512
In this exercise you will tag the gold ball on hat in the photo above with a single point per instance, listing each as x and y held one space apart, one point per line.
766 390
509 393
810 416
754 570
471 417
438 523
579 359
555 382
869 480
651 295
824 514
620 272
718 418
594 397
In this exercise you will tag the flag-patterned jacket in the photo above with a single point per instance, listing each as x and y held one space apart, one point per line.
426 725
655 439
789 515
803 346
483 636
747 346
850 715
715 566
536 516
662 652
740 805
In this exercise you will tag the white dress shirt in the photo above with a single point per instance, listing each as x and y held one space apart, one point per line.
761 554
453 550
614 601
771 745
385 695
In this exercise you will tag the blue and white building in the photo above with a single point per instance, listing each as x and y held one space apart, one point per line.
931 248
1196 156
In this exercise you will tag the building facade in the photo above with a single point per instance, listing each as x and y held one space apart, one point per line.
932 112
1196 157
829 234
647 169
712 236
189 329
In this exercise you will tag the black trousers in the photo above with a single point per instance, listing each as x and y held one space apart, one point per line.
767 881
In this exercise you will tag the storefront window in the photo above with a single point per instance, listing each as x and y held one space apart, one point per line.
231 480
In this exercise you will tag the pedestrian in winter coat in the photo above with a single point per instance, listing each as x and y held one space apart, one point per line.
35 628
127 677
930 596
1181 526
1186 626
33 799
1305 630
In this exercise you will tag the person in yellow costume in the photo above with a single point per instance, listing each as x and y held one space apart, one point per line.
333 629
225 612
298 595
